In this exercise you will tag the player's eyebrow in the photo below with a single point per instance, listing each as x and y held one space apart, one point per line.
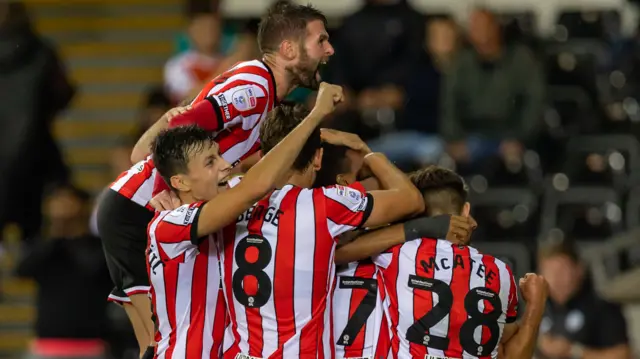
324 36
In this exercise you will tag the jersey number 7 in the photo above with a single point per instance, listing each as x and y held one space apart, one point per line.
364 309
417 333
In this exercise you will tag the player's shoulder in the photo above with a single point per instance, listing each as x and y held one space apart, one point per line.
181 216
479 256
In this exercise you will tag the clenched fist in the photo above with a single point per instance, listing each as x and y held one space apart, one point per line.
328 97
534 288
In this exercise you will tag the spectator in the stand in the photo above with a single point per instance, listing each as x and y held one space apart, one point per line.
417 141
376 48
34 89
187 71
73 281
577 323
493 97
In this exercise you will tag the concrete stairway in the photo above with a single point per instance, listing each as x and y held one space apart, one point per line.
114 50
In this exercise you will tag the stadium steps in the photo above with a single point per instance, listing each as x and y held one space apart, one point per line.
114 51
16 307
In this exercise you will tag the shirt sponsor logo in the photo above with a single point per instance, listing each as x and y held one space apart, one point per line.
225 106
244 99
187 216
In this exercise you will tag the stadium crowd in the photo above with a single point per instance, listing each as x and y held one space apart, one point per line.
544 131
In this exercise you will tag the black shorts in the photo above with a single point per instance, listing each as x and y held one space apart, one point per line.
122 225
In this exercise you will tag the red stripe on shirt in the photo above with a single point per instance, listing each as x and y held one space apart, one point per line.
422 299
459 287
254 318
195 333
283 287
492 281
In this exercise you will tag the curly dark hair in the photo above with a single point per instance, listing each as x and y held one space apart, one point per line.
285 20
444 190
279 123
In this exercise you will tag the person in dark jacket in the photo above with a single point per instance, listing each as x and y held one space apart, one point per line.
34 88
73 282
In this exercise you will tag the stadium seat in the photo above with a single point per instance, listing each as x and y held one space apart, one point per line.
505 214
590 214
587 24
575 63
602 160
571 111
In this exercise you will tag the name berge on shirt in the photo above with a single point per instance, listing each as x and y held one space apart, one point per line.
259 212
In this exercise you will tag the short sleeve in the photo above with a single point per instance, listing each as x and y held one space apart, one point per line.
612 326
176 231
512 306
346 208
384 259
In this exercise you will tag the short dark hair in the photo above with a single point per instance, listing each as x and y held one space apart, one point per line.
334 162
564 248
285 20
444 191
174 148
279 123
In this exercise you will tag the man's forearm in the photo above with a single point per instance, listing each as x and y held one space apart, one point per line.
523 343
143 147
388 175
370 244
618 352
391 178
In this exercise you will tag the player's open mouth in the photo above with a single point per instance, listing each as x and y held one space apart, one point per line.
321 65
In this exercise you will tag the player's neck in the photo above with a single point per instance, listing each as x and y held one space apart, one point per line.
284 82
186 198
301 179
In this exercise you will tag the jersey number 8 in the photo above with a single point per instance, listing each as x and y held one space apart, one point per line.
254 268
417 332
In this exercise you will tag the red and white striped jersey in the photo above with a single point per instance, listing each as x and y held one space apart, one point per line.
137 182
184 273
289 235
244 94
446 300
359 324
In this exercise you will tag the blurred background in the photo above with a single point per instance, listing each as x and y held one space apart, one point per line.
535 102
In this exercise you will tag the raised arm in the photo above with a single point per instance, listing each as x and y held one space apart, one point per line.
456 229
398 197
263 176
142 148
519 340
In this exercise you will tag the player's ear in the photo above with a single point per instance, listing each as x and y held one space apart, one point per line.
317 159
466 209
288 49
181 183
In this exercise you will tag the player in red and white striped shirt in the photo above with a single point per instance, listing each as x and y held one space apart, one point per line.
234 103
290 235
475 303
360 328
122 215
182 256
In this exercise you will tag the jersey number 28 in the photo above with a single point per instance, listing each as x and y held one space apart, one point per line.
417 333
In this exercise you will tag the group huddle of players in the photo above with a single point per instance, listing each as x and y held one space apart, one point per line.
245 231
